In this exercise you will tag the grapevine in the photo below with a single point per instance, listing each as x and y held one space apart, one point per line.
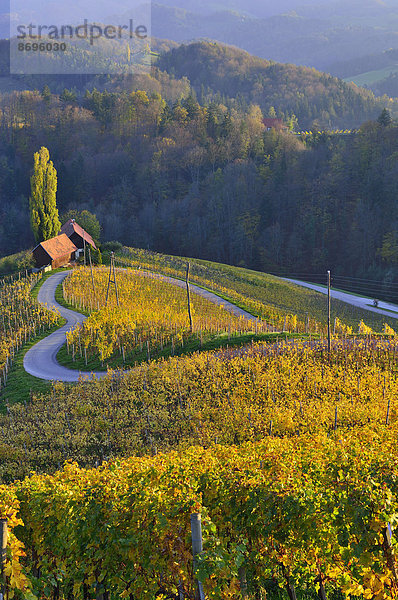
21 319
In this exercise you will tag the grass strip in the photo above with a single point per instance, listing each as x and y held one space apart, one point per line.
36 288
381 308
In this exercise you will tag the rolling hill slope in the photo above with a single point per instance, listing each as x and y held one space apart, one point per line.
309 94
313 34
271 443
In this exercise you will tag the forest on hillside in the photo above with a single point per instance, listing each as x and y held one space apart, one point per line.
317 99
165 171
307 32
212 72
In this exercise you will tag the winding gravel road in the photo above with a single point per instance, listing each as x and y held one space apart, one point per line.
360 302
41 359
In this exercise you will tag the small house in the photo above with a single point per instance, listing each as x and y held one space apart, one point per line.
277 124
77 235
57 252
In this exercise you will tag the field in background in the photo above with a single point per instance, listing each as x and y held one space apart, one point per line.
372 77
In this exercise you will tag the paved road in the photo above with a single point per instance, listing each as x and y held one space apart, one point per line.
360 302
41 359
228 306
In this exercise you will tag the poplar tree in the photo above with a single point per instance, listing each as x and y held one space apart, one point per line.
44 216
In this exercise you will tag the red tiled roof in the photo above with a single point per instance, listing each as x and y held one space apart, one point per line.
71 227
58 246
277 123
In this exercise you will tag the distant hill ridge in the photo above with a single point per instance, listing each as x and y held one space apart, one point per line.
303 32
309 94
232 76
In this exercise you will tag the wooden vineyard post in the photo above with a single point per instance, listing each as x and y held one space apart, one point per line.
388 412
92 274
189 298
291 590
243 582
112 273
321 590
114 280
3 554
180 592
197 547
388 551
329 344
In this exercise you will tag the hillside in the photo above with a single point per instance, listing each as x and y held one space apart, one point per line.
371 62
315 33
147 324
263 295
376 72
230 72
388 85
151 322
214 71
112 58
312 34
271 446
250 8
181 418
203 178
